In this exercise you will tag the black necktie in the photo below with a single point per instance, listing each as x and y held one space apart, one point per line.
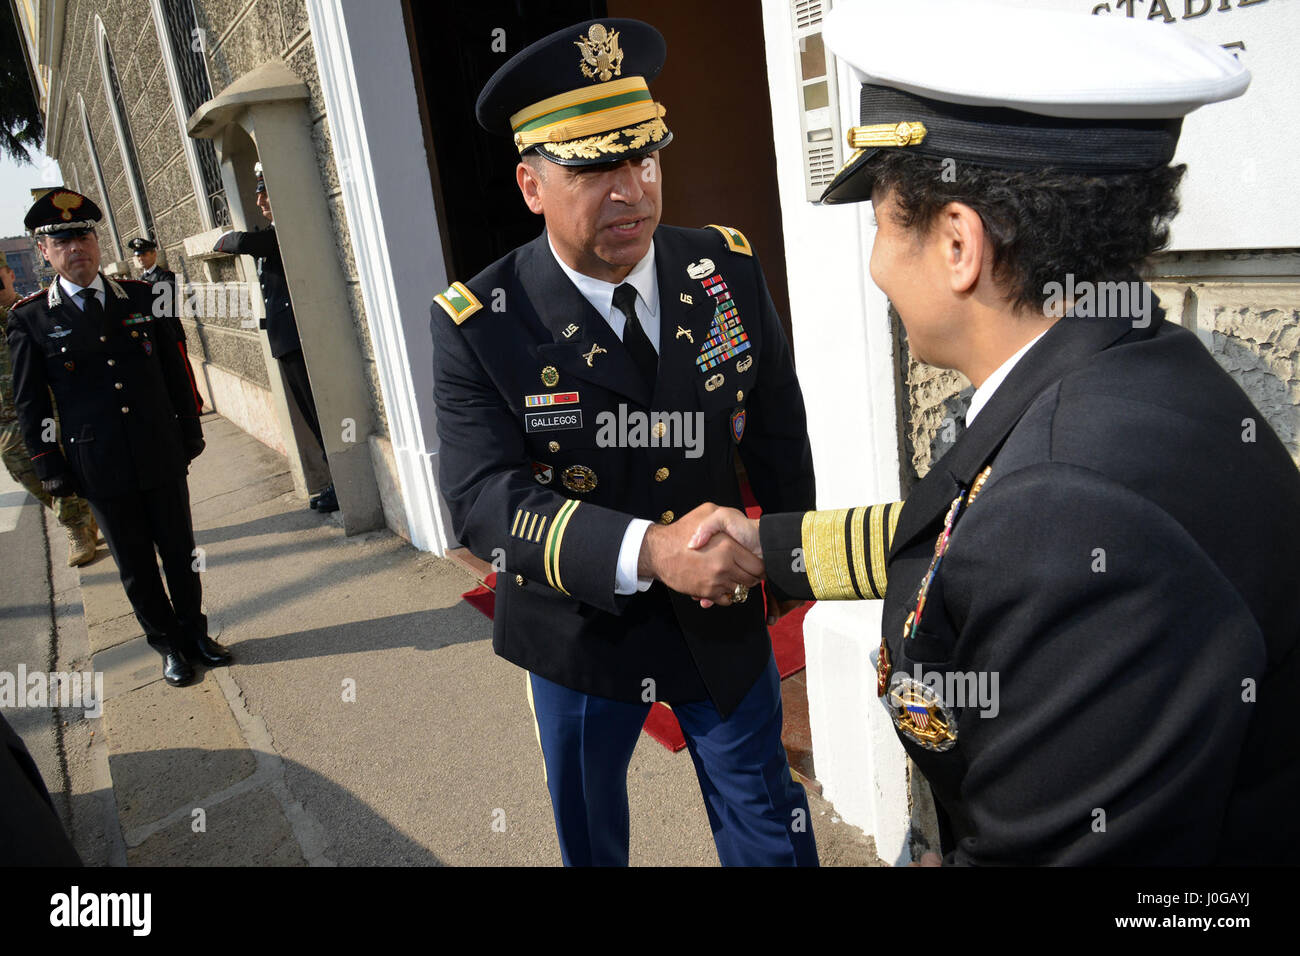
634 338
94 312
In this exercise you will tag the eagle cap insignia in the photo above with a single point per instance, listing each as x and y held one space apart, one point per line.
66 202
601 57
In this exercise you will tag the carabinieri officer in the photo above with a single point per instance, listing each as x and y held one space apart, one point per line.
129 418
166 296
570 378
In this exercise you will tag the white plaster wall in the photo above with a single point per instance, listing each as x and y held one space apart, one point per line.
1240 189
844 355
250 407
368 86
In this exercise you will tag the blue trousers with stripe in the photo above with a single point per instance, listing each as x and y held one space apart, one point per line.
758 814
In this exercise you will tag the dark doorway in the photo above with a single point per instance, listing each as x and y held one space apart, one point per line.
720 167
483 215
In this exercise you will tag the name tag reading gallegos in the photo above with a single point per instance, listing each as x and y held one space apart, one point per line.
552 421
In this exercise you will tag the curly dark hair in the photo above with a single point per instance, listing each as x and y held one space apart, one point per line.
1042 223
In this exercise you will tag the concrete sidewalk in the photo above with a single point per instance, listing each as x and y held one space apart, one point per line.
365 720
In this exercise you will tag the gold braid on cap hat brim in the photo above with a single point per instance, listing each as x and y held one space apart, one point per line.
887 134
594 147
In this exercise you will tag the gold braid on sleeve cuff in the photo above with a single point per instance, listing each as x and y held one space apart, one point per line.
844 551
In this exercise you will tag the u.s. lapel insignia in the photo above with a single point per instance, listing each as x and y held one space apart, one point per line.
550 377
920 715
542 473
743 364
686 298
601 57
686 332
714 382
579 479
738 425
591 356
570 331
701 269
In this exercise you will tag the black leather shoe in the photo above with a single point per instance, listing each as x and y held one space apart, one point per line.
327 501
177 671
209 652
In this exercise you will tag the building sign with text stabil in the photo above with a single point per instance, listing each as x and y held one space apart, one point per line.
1242 189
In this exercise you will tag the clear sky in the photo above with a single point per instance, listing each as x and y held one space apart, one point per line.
17 180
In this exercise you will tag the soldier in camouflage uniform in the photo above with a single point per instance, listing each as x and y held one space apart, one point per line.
73 512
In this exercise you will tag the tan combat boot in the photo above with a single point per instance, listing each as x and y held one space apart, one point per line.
81 546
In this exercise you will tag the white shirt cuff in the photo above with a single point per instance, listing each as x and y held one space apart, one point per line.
629 555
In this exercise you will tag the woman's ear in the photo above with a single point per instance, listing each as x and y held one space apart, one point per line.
961 233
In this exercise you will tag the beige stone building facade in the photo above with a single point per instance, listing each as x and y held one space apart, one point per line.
120 81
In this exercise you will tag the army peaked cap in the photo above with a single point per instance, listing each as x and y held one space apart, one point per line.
580 96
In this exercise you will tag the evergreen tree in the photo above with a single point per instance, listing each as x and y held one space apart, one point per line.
21 124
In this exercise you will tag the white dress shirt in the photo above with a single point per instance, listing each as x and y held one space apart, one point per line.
985 391
601 296
70 291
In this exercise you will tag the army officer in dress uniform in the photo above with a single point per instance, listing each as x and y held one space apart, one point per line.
130 423
549 368
1115 535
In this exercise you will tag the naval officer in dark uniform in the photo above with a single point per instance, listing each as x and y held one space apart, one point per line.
281 327
548 368
1111 545
129 419
31 833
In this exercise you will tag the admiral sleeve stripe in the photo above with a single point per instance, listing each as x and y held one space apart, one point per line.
826 555
853 551
872 572
878 549
895 510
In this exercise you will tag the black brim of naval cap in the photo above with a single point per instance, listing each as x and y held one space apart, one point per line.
1003 138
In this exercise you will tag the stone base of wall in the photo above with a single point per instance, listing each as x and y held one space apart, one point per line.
247 405
390 489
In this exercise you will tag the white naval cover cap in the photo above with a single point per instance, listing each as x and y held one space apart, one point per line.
1019 87
1052 62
